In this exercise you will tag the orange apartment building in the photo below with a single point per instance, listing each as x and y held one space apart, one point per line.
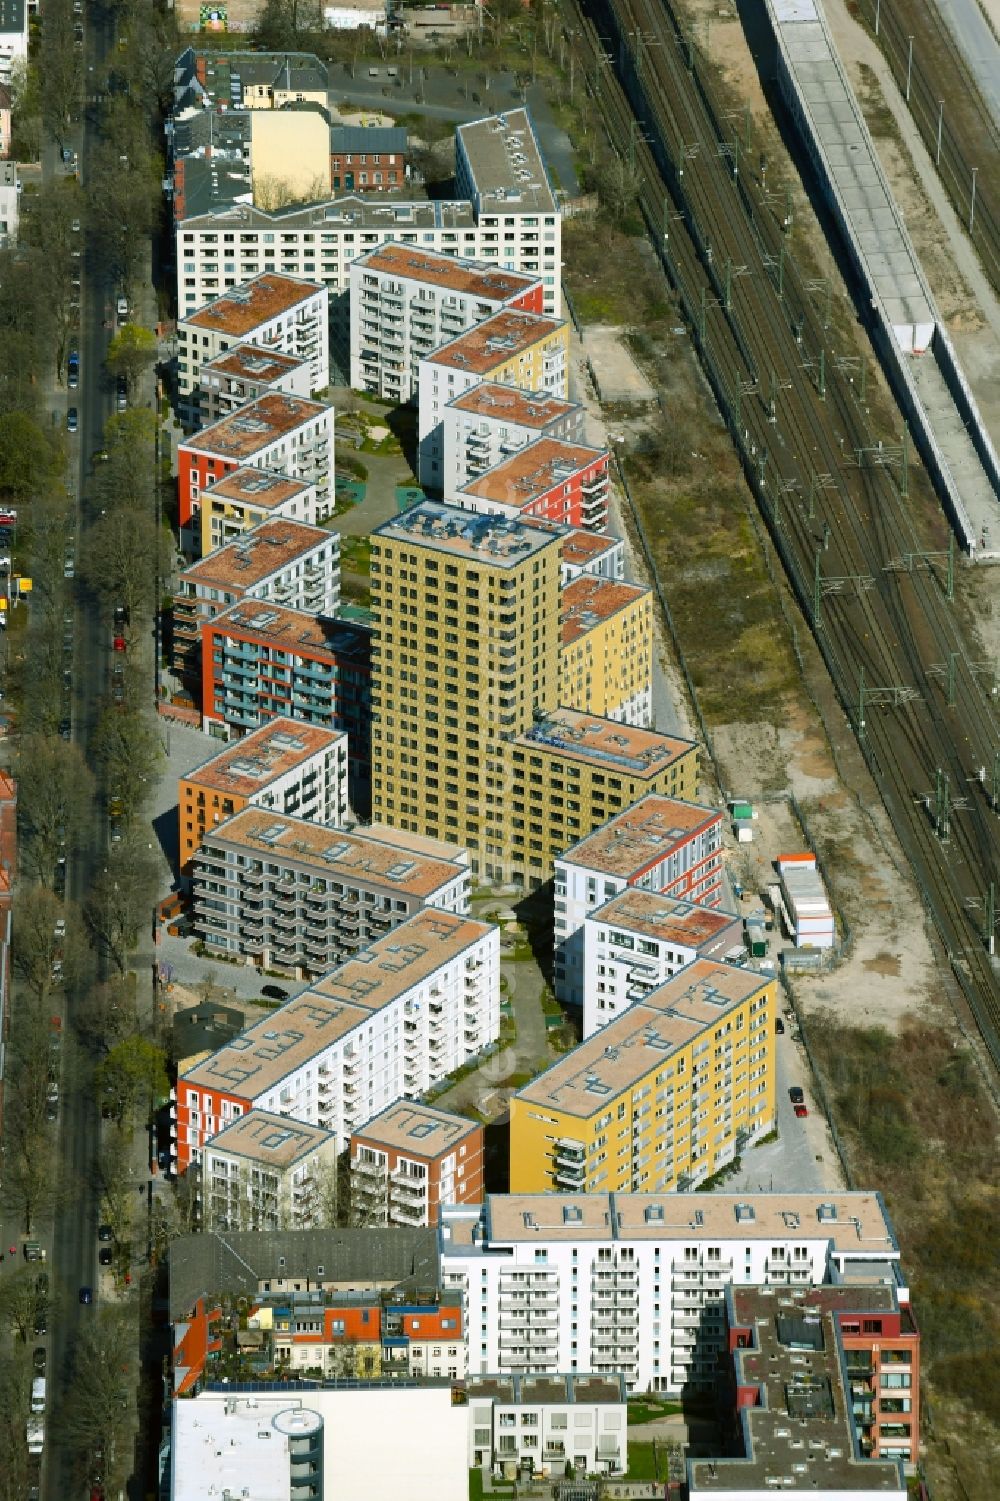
409 1160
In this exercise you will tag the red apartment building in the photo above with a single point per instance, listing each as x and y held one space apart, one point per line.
547 480
367 158
409 1160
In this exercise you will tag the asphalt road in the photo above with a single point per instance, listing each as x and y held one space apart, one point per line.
979 46
73 1252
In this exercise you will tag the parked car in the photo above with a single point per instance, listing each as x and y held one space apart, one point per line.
274 992
86 1295
105 1255
38 1359
66 729
801 1110
72 421
73 370
796 1094
779 1026
105 1233
121 394
121 306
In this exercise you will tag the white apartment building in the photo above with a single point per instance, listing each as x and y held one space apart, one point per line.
544 1423
659 844
384 1026
267 1172
487 424
511 348
585 554
285 894
280 432
13 36
405 301
247 371
638 940
635 1282
274 311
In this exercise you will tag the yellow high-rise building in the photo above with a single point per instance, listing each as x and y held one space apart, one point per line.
606 649
661 1098
465 655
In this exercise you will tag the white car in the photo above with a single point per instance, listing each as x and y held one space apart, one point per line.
60 927
122 307
5 562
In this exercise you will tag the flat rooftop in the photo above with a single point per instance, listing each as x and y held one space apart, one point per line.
540 1391
241 309
255 426
268 548
402 959
467 277
494 541
709 930
410 1127
495 341
264 488
588 602
248 765
394 217
851 1223
253 362
272 1140
585 1081
337 854
605 744
534 470
293 631
535 409
578 548
852 162
641 836
803 1429
506 163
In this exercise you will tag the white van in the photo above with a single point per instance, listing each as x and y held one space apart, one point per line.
38 1394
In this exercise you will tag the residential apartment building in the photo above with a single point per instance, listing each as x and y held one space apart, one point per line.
656 843
544 1423
363 1336
638 940
226 242
489 423
636 1283
512 348
463 608
216 80
500 169
276 432
365 1035
587 554
245 497
405 301
567 774
245 372
292 896
292 564
665 1095
606 650
285 766
410 1160
266 1172
368 158
276 312
549 480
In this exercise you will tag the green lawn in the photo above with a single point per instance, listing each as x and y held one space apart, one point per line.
641 1461
646 1412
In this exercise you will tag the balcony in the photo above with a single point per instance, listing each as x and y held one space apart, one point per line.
372 1171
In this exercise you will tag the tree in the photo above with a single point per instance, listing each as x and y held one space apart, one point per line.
30 459
121 901
97 1414
284 25
131 352
117 1184
127 749
15 1388
19 1301
54 792
121 561
36 946
60 68
106 1014
133 1070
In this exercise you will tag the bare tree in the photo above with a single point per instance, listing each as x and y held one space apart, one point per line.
120 562
121 901
98 1413
54 792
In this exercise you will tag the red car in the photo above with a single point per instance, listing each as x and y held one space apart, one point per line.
119 643
801 1110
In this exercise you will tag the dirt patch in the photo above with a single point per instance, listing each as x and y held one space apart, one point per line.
884 964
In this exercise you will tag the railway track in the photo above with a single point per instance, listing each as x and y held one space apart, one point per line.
824 483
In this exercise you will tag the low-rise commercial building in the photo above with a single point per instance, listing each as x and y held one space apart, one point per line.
661 1098
265 1171
656 843
636 1283
368 158
805 1399
364 1036
606 650
278 432
489 423
512 348
408 1161
542 1424
242 374
246 497
406 301
290 564
285 766
285 894
638 940
547 480
273 311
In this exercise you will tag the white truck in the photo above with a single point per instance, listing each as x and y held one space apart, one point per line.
36 1434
